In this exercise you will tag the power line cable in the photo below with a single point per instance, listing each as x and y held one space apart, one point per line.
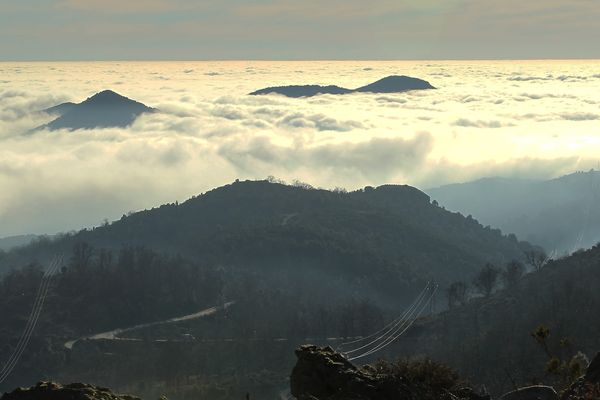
394 325
393 338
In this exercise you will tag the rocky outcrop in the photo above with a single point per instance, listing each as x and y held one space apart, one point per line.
73 391
322 373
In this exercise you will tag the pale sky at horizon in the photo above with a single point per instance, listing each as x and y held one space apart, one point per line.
285 29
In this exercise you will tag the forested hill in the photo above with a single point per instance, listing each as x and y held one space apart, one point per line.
489 336
388 234
559 214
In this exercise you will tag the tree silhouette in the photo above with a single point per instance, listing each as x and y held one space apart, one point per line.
536 258
512 273
457 294
485 281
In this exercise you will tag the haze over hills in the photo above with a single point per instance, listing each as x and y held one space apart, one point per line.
390 84
298 262
487 337
559 214
386 237
7 243
102 110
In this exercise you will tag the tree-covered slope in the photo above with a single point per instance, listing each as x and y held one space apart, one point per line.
389 234
490 339
559 214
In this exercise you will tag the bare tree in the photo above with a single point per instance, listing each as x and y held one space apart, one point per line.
486 280
457 294
512 274
536 258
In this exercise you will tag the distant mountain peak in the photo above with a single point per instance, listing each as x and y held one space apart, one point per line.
395 83
302 90
389 84
107 95
104 109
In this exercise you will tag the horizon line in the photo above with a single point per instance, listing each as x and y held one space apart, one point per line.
305 60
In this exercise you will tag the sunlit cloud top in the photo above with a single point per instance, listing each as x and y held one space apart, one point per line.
534 119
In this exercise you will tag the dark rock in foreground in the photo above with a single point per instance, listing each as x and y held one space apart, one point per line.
324 374
73 391
103 110
390 84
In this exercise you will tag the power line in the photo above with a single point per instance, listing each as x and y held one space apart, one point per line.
394 337
391 324
31 322
394 325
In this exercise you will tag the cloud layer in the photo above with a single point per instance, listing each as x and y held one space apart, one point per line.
481 121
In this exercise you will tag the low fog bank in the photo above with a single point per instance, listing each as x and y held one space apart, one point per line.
484 120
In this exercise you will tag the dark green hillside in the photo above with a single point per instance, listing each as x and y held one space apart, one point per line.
488 337
388 234
299 263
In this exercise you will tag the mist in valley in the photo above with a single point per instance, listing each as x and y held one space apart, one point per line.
326 201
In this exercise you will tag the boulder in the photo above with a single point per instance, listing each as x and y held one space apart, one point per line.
73 391
537 392
323 374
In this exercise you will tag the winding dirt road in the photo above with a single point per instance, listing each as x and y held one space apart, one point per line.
113 335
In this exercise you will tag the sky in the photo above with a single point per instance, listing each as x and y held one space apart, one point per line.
535 119
196 61
298 30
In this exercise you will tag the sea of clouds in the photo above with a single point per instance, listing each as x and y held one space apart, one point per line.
527 119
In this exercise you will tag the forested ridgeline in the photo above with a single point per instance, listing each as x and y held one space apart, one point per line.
96 290
301 264
390 234
531 330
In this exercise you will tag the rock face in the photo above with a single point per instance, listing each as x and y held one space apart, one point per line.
102 110
323 374
537 392
390 84
73 391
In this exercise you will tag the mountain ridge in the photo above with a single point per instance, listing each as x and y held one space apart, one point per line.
269 226
557 214
104 109
389 84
